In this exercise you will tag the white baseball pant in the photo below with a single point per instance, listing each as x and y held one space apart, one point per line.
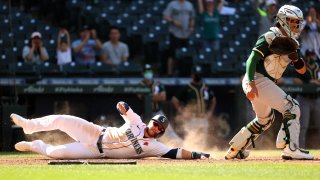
83 132
271 96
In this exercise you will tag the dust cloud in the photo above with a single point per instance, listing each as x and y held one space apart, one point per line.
198 133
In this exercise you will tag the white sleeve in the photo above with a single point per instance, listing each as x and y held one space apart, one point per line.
131 117
157 149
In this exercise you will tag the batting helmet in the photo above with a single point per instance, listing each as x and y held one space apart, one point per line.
163 121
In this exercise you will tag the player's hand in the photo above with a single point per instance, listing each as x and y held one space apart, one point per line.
252 91
122 107
199 155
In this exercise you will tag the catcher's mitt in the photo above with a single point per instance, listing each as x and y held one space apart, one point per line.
283 46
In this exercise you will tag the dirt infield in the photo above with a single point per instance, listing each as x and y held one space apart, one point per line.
42 160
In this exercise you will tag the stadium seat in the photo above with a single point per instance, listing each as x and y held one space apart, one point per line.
49 69
151 47
196 38
4 9
113 10
185 52
135 10
74 69
205 56
241 66
100 68
150 37
184 58
11 53
24 69
129 69
223 67
4 67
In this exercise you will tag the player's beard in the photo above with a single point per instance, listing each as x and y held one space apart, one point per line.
150 132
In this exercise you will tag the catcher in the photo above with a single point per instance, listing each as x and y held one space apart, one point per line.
134 139
273 52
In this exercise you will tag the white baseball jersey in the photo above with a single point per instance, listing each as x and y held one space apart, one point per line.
124 142
128 141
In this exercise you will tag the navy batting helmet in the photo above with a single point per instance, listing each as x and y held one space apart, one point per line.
162 121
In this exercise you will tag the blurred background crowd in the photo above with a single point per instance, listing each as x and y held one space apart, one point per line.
153 38
171 36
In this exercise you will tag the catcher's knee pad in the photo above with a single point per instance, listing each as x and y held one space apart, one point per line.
247 135
290 128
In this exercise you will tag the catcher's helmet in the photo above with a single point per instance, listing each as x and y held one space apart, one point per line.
163 121
287 14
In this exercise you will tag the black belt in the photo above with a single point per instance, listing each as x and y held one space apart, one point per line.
99 142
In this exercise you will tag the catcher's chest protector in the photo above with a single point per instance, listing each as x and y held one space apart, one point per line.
275 64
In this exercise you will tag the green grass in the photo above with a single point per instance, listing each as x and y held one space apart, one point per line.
220 170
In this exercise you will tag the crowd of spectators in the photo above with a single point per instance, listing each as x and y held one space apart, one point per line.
88 49
181 17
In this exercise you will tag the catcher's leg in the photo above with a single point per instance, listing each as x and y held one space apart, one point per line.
305 109
74 150
263 120
79 129
288 136
247 135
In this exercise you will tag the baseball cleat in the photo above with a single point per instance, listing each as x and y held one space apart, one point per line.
233 153
18 120
297 154
23 146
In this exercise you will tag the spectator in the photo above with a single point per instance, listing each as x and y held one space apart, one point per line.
114 51
310 36
180 16
309 102
210 21
37 53
85 49
159 96
267 17
63 47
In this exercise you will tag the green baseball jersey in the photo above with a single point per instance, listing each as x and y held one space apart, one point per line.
311 73
211 25
196 97
270 65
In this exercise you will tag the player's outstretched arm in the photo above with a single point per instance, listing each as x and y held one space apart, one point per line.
180 153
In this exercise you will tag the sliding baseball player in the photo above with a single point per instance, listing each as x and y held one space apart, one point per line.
134 139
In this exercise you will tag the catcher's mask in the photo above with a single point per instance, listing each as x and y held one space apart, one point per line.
289 15
162 122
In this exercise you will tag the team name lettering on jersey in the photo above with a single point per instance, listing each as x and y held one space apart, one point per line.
134 141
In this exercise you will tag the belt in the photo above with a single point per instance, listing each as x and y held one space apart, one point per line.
99 142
